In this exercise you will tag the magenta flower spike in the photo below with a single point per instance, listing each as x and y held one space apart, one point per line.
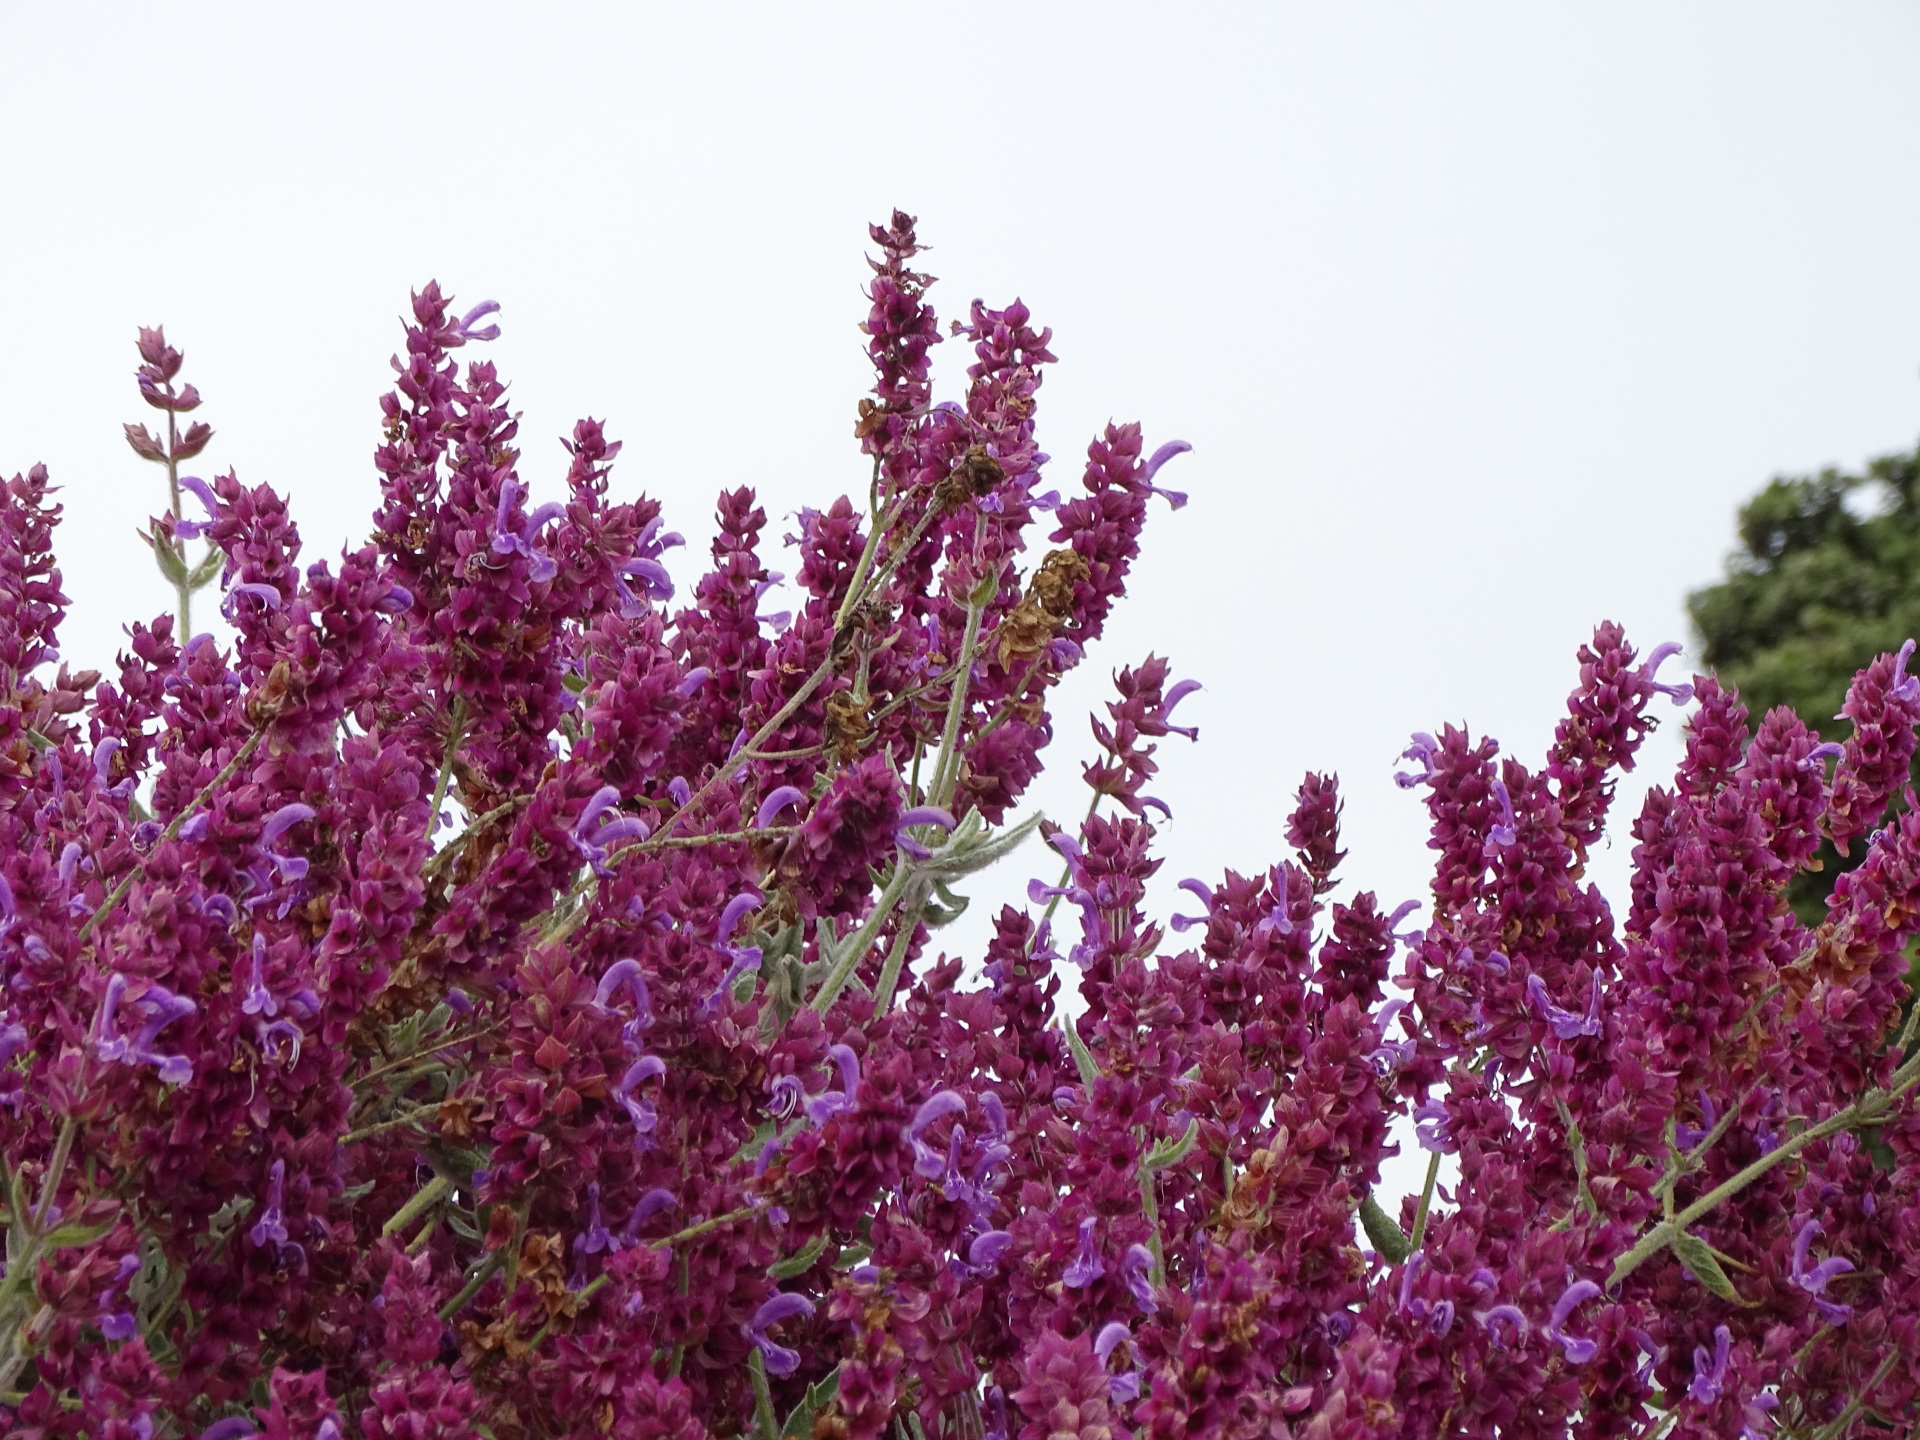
384 924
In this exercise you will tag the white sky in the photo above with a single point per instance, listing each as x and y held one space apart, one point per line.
1481 318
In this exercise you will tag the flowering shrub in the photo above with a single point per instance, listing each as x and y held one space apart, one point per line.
486 1000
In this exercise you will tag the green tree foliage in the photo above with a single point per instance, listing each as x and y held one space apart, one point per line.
1826 577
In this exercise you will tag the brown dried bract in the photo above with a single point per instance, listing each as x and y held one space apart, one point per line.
1030 625
975 475
846 725
271 698
1054 582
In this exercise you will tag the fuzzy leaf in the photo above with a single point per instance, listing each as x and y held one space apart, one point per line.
1082 1057
971 849
69 1237
1697 1256
799 1424
1387 1237
1168 1153
799 1264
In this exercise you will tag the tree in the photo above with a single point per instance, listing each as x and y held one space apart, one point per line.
1821 583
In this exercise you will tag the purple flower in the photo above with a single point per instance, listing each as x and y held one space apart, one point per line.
271 1227
780 1361
1578 1351
644 1209
1504 832
1680 694
626 972
199 489
1125 1386
508 540
259 1000
1136 1273
779 800
1710 1371
465 328
594 833
639 1109
596 1237
1086 1266
1506 1326
160 1008
1422 752
926 1161
291 867
984 1253
1160 457
118 1324
268 596
1431 1121
234 1427
829 1103
919 815
1814 1281
1566 1025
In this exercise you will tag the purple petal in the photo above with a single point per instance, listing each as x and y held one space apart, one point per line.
747 900
1161 456
776 802
946 1102
282 820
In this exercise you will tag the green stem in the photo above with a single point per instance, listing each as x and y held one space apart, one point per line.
126 883
56 1171
1837 1426
946 766
897 957
444 856
1871 1105
860 942
398 1122
854 586
418 1055
762 1397
1692 1158
693 1232
456 727
179 546
486 1272
1426 1200
428 1195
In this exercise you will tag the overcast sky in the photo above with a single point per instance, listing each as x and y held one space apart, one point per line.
1481 319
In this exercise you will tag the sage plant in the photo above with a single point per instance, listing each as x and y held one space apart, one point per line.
489 997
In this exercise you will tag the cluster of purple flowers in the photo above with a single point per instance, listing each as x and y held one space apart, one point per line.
486 1000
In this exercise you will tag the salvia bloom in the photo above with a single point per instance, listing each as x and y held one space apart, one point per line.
491 998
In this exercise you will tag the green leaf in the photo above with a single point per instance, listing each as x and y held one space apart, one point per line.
69 1237
354 1193
171 565
972 847
1082 1058
207 571
799 1424
1387 1237
1697 1256
1171 1152
801 1263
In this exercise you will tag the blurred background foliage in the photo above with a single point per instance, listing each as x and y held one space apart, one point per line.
1827 575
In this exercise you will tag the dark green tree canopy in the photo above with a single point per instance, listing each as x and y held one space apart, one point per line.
1821 584
1827 576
